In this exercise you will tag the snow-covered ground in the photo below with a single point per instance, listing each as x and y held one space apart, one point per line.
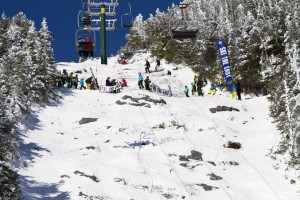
141 147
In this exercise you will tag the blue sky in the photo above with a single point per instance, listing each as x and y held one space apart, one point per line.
62 21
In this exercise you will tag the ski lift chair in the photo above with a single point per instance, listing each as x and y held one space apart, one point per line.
82 46
183 33
127 19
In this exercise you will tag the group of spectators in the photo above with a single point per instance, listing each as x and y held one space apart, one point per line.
198 84
71 80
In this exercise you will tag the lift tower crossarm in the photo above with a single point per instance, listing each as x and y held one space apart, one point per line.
99 13
114 4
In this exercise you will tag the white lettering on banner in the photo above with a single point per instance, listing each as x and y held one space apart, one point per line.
104 88
227 71
225 60
157 89
223 51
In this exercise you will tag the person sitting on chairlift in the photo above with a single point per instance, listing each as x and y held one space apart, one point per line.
86 22
89 47
80 46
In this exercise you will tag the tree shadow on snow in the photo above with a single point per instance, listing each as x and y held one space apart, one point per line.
32 190
138 143
28 151
57 96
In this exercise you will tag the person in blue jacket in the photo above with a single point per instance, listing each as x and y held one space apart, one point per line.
140 81
81 82
186 91
233 92
213 89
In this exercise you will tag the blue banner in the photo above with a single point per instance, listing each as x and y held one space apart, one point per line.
223 53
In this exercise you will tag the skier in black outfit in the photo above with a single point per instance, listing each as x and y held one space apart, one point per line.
238 90
147 83
147 66
107 82
157 65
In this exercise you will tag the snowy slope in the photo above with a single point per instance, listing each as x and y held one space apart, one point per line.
143 148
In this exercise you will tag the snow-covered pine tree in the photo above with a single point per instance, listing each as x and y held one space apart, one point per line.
4 42
290 126
157 31
9 184
47 73
137 36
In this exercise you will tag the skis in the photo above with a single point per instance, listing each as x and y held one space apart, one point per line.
94 79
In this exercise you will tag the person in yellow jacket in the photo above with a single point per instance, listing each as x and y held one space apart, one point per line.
233 93
213 89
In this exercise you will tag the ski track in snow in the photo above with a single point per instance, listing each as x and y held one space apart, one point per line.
137 152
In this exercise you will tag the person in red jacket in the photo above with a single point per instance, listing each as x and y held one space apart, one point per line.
124 82
90 47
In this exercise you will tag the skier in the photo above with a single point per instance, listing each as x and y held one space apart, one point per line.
147 83
157 65
233 92
186 91
199 88
213 89
196 79
81 82
147 66
124 82
238 90
107 82
140 81
75 81
88 82
194 90
123 62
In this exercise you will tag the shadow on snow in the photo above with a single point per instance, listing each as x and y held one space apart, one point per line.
32 190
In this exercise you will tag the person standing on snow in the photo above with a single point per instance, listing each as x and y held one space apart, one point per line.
140 81
81 82
75 81
186 91
233 92
147 83
147 66
213 89
238 90
107 82
157 65
124 82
